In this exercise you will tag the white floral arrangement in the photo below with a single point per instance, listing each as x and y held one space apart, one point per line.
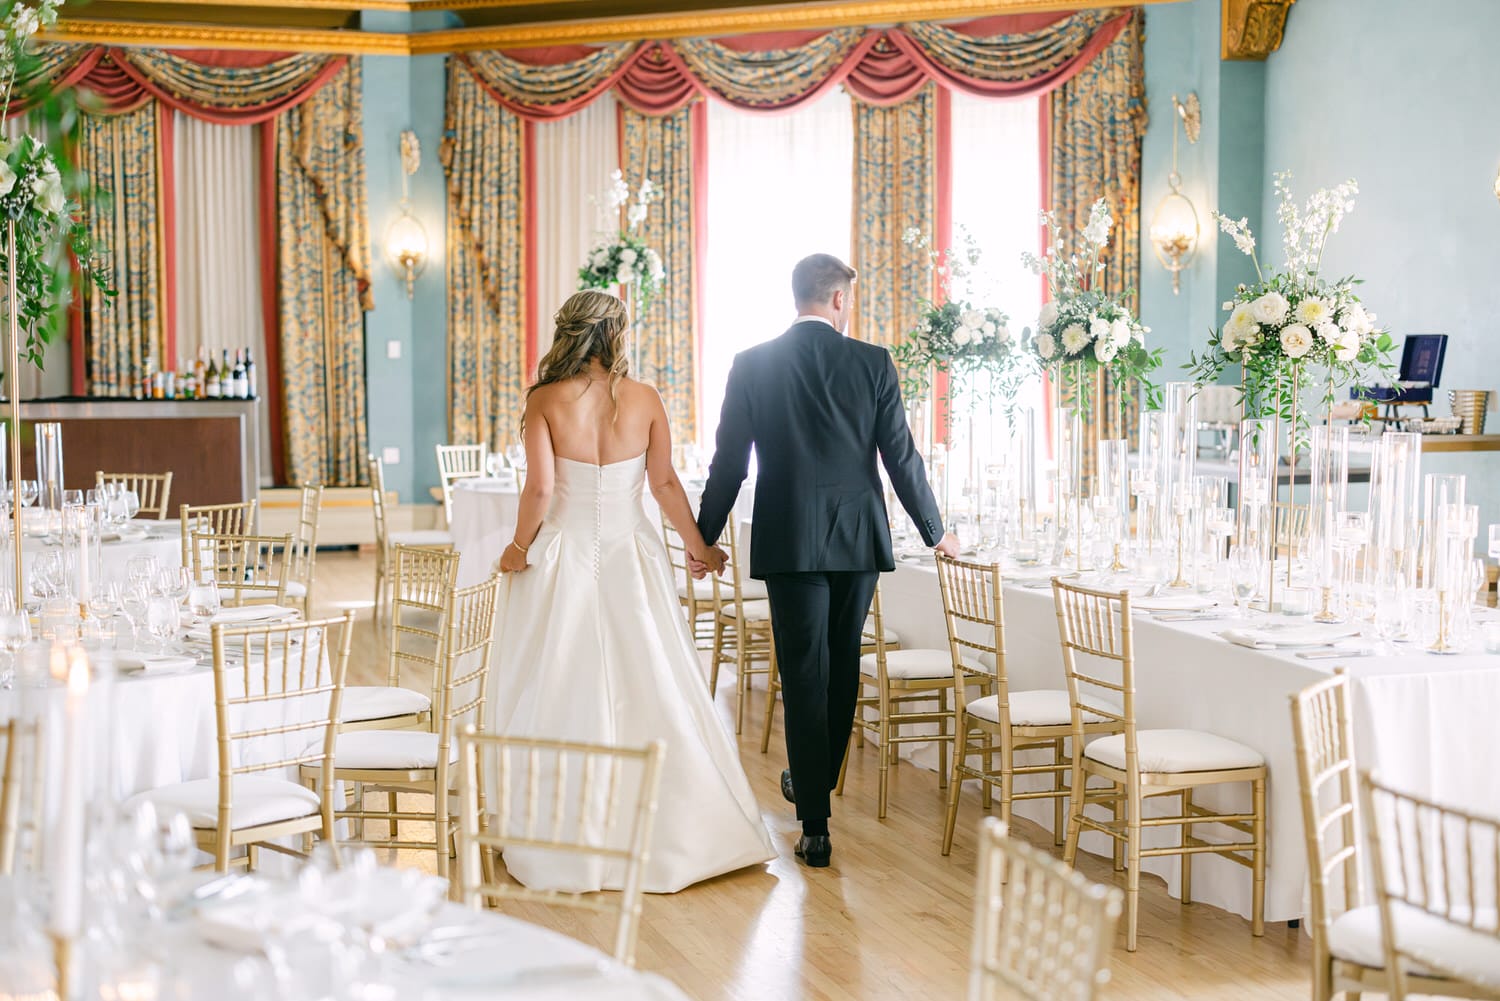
624 259
1081 329
1293 319
37 193
958 337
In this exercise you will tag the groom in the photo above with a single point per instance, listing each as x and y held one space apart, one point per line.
818 408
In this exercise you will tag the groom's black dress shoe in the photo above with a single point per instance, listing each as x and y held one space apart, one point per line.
815 850
786 786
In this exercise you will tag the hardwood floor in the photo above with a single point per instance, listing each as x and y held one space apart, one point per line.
891 917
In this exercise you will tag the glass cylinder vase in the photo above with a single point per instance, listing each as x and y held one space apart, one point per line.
49 466
1395 504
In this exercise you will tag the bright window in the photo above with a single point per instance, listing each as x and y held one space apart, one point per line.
780 187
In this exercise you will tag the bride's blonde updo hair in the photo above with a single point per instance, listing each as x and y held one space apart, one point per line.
591 324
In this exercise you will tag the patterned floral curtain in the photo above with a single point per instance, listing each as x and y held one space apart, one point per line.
770 78
484 161
895 189
324 280
1098 121
122 155
661 148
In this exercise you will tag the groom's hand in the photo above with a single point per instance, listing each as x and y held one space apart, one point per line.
948 546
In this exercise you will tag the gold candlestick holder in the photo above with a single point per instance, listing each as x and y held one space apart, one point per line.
1180 581
1442 644
1326 614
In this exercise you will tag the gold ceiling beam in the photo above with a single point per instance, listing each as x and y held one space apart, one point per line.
198 36
1252 29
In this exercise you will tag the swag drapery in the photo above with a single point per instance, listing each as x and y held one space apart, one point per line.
312 183
898 78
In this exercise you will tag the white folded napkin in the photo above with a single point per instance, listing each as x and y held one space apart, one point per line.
251 613
153 663
1274 637
1172 602
498 485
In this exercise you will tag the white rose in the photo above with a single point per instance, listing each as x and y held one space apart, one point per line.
1074 338
1048 315
1270 308
1002 334
1104 350
627 256
1098 329
1046 346
987 330
1296 340
1119 333
625 275
1313 313
1329 331
971 319
7 178
1346 348
963 336
601 258
51 198
1357 320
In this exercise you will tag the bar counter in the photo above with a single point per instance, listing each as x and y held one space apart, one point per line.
211 447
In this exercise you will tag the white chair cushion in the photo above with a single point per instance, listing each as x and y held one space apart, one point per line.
1355 937
1176 751
1042 707
755 611
421 537
366 702
257 799
296 589
910 665
399 750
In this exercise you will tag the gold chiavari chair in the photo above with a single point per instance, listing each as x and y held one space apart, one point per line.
423 585
14 736
697 596
248 569
897 688
276 706
1041 930
153 490
1347 954
1291 526
218 519
457 462
1437 886
303 555
537 784
998 724
742 629
386 540
1142 764
422 761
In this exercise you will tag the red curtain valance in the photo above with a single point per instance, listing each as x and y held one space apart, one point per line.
226 88
1005 56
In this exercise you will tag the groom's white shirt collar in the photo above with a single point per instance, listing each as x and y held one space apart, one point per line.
813 319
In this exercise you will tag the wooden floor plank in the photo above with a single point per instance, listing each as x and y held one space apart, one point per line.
890 919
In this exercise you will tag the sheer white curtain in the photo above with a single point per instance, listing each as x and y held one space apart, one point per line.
217 170
574 158
780 187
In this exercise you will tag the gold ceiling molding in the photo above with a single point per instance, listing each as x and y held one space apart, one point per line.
571 31
1252 29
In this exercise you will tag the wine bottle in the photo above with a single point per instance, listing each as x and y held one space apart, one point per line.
200 372
214 387
251 387
226 377
241 382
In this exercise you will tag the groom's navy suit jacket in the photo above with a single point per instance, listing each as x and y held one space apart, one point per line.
818 408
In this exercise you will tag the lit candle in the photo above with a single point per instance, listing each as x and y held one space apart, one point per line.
68 838
83 563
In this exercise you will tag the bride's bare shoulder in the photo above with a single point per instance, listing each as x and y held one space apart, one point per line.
634 393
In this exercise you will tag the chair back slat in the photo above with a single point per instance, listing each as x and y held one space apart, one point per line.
1437 881
153 490
421 603
1101 682
677 554
590 801
303 557
734 573
377 501
248 569
457 462
974 610
216 519
1041 930
1323 737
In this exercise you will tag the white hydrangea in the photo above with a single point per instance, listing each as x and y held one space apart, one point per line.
1329 331
624 276
987 329
1296 340
1270 308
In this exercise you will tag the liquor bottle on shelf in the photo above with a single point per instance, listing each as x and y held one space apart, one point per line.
252 390
214 386
187 385
226 377
158 385
142 388
200 373
241 381
169 385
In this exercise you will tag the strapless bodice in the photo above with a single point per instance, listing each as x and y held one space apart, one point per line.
600 501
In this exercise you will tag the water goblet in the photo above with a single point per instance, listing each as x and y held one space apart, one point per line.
72 498
132 503
174 582
30 491
15 632
203 599
162 620
494 463
134 601
1245 566
141 570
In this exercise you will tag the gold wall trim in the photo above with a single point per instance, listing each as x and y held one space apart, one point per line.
166 36
1252 29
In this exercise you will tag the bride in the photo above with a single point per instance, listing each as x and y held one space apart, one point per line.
592 643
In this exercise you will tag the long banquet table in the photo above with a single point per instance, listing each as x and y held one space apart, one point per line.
1424 721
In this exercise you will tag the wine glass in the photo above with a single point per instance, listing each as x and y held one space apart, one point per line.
134 602
173 582
132 504
162 620
15 632
72 498
1245 568
203 599
142 570
30 490
494 463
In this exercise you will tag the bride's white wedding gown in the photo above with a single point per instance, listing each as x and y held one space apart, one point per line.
592 645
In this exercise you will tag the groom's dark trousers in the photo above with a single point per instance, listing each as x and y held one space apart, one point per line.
819 410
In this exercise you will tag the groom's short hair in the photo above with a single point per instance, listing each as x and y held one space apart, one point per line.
816 278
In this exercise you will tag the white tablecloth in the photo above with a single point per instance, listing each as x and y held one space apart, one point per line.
510 959
1425 721
161 539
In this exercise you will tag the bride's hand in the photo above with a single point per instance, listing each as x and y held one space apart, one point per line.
710 559
513 560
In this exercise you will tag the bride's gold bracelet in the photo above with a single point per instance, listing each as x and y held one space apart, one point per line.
522 548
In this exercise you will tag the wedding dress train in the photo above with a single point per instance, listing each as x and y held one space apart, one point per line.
592 646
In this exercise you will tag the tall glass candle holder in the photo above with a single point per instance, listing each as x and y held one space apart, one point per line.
1439 491
1146 479
49 466
1182 462
1328 495
1256 514
1067 443
1112 494
1024 445
1395 506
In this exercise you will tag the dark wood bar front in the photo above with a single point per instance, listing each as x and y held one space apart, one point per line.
211 447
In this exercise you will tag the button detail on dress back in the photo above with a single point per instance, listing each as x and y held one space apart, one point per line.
598 515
